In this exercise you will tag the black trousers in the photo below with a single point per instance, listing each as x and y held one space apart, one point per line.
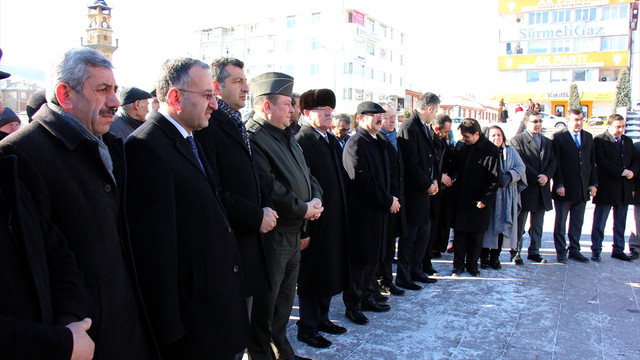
493 254
466 249
411 250
361 286
313 312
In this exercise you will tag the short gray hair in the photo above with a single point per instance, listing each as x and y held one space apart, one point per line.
426 100
175 73
73 69
345 118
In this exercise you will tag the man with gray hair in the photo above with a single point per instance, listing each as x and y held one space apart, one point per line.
341 128
82 192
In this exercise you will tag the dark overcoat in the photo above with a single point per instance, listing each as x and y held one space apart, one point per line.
576 169
368 194
420 168
189 264
73 190
39 278
476 180
610 163
636 198
538 161
397 225
324 267
240 192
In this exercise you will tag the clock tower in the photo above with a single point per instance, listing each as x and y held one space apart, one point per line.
99 32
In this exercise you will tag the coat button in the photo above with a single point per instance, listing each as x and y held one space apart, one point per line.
107 188
228 229
236 268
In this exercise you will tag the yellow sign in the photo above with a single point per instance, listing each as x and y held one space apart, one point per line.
554 96
563 61
510 6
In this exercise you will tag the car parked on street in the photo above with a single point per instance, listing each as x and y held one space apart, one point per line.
597 120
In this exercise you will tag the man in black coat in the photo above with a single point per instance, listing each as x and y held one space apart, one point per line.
226 147
421 182
81 193
634 239
370 200
187 253
575 180
324 266
617 165
536 152
476 182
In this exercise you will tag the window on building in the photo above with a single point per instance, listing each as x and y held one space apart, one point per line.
401 82
359 94
585 45
391 56
534 76
289 45
360 70
371 48
538 47
588 14
315 19
401 60
369 72
347 93
561 16
615 12
289 70
560 75
391 34
315 44
348 68
382 76
291 22
368 96
390 78
613 43
315 69
561 46
383 29
582 75
23 95
539 18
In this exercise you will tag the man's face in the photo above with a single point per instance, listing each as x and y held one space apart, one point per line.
279 114
389 120
342 130
495 136
234 90
320 117
142 109
574 122
155 104
371 122
10 127
296 111
196 107
534 125
431 112
96 105
470 139
442 132
617 128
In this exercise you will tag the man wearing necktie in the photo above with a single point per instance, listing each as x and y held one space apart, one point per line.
187 253
574 182
536 152
617 165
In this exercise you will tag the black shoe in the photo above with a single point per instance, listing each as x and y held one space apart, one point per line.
474 272
620 255
578 257
392 289
422 277
634 255
370 305
379 298
595 258
331 328
357 317
537 258
409 285
484 263
517 260
314 340
495 264
563 260
431 271
456 272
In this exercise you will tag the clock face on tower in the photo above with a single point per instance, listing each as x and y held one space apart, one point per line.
104 25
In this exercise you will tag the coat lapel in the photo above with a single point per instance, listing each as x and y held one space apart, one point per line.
180 143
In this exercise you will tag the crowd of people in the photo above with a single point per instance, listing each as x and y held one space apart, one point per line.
161 225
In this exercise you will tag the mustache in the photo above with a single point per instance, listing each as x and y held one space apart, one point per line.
108 111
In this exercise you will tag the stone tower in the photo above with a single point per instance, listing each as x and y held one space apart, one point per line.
99 32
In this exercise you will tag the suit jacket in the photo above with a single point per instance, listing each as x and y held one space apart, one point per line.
538 161
369 195
478 167
576 169
85 202
241 194
610 163
418 155
324 267
187 253
40 281
397 222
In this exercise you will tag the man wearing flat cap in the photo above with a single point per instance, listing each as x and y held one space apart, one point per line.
296 195
133 111
324 265
366 161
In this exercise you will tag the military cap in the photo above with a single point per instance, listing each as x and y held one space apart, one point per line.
271 83
36 100
369 107
317 97
132 94
8 116
3 75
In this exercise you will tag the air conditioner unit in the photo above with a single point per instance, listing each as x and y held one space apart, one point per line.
604 78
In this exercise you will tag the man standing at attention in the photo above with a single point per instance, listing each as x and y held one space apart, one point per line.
81 193
574 182
226 147
133 112
536 152
296 195
617 165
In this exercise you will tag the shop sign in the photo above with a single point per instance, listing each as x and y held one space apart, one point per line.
558 61
510 6
551 32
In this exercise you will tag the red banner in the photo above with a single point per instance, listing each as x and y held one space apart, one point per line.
358 18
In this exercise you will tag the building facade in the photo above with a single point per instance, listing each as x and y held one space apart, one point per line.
546 45
16 94
99 32
359 57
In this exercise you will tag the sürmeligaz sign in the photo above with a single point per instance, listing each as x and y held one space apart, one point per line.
510 6
563 31
560 61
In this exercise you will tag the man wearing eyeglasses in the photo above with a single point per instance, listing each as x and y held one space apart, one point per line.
187 253
536 152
